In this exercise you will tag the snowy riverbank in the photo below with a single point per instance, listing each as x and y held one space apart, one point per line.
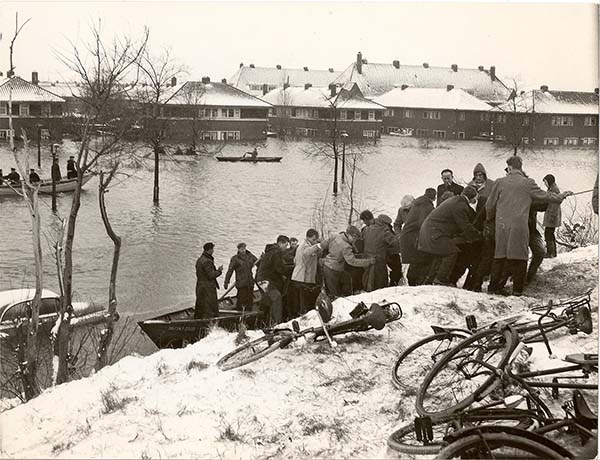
304 401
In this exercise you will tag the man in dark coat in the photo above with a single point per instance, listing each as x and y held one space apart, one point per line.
447 226
55 171
206 284
508 206
447 185
419 262
379 240
242 264
272 269
595 197
14 177
71 168
536 242
34 178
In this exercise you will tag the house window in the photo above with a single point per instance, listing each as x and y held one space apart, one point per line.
215 113
551 141
500 118
587 121
589 141
525 121
439 134
46 110
228 113
24 110
343 115
371 115
4 133
570 141
409 113
370 133
388 112
433 115
271 112
232 135
311 132
44 134
485 116
461 135
3 109
461 116
357 115
562 121
392 129
525 140
422 132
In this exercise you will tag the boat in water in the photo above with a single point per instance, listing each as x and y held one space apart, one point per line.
179 328
250 159
45 187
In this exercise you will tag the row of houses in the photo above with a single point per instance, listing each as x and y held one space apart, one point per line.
363 101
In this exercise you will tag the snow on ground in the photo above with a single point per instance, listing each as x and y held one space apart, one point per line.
305 401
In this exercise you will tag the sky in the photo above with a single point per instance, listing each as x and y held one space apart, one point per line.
537 44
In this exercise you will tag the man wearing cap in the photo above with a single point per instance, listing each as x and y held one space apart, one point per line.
340 251
448 225
272 269
71 169
242 263
508 207
379 241
33 177
206 284
14 177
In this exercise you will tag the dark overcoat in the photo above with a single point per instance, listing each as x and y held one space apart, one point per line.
451 219
553 216
242 265
442 188
409 235
379 240
508 205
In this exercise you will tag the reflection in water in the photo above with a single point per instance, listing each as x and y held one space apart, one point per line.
226 203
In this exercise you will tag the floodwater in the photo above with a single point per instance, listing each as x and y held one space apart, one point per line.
205 200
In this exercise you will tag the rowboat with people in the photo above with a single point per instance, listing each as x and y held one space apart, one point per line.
45 187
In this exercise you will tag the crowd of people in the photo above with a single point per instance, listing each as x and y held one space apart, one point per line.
484 230
14 178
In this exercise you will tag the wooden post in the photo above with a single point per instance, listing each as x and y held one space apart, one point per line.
343 160
39 135
53 180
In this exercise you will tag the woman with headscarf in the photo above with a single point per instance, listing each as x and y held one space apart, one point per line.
552 217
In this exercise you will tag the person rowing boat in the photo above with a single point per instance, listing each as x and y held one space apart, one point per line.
253 154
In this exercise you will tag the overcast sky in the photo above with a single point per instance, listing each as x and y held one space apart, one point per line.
553 44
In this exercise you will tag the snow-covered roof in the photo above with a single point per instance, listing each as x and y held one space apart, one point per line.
14 296
211 94
559 102
376 79
24 91
350 99
275 78
432 98
60 88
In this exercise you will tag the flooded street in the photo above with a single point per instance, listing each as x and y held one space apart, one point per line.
205 200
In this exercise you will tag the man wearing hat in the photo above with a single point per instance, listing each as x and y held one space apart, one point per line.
508 208
14 177
206 284
448 226
71 169
241 263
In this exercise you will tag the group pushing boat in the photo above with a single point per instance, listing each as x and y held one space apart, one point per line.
45 186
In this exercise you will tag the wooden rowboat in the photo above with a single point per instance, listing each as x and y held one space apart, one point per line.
65 185
177 329
250 159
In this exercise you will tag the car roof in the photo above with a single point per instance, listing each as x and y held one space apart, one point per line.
14 296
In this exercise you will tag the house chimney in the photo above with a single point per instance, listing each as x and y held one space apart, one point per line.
403 87
224 81
596 91
359 62
241 65
332 89
173 81
493 72
9 74
1 74
544 88
426 65
307 85
454 67
34 78
480 68
205 80
278 67
252 66
331 69
265 88
449 87
306 69
396 64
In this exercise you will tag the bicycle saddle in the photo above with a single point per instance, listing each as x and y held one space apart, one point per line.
376 317
583 320
583 413
584 359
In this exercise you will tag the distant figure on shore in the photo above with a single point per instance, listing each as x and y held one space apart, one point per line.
55 171
14 177
33 177
447 185
206 284
242 263
71 169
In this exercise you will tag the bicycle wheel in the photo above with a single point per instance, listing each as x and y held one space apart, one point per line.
500 445
405 440
417 360
251 351
462 376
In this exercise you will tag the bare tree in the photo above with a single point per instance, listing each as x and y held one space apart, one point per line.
517 117
105 69
18 30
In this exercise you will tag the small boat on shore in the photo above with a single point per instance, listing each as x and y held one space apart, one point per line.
177 329
250 159
65 185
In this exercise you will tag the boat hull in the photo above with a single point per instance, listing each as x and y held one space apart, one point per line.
250 159
45 187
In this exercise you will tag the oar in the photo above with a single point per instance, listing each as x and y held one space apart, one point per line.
579 193
226 292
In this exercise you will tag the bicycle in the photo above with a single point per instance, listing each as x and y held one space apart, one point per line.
427 352
363 318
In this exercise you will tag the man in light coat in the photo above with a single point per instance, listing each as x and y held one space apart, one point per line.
508 206
305 272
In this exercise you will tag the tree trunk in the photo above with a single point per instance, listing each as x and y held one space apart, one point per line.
335 169
113 316
156 173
